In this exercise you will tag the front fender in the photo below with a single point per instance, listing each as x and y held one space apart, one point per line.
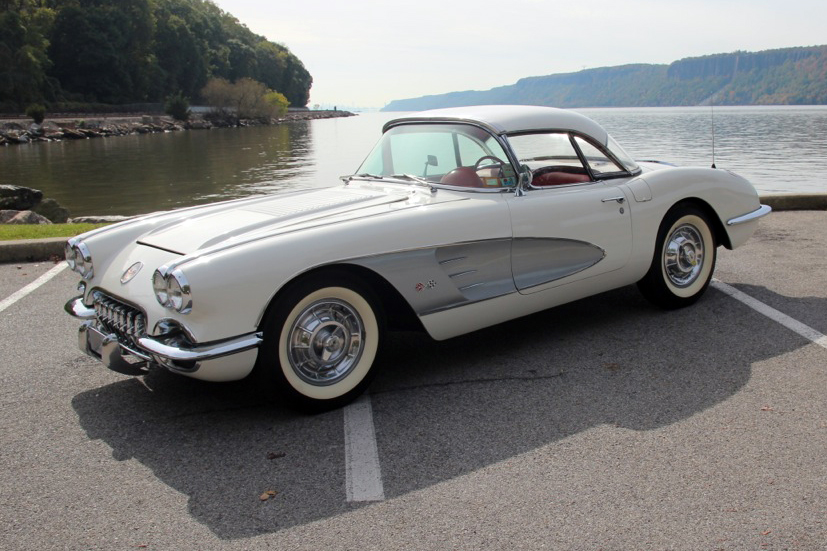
727 194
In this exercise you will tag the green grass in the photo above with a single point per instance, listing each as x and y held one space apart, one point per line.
9 232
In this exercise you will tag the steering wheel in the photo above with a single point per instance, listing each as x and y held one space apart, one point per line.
497 162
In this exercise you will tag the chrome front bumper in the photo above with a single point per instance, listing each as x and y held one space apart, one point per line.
169 351
763 210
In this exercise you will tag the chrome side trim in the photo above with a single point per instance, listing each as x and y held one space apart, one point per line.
461 274
763 210
200 352
446 276
538 261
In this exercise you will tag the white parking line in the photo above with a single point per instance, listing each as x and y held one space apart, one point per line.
794 325
5 303
363 475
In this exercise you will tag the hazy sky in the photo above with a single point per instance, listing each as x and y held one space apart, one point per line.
365 53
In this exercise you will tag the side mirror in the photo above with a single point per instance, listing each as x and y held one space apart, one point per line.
431 160
525 176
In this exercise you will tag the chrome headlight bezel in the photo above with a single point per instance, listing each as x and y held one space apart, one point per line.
79 258
71 255
172 290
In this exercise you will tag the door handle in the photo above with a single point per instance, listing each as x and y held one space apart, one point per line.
610 199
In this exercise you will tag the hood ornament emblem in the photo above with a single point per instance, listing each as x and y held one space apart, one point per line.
131 272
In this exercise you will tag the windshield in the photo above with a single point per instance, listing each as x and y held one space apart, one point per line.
450 154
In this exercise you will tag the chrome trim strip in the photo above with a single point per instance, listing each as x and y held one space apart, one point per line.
471 286
464 303
200 352
763 210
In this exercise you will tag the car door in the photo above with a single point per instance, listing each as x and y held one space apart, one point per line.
570 224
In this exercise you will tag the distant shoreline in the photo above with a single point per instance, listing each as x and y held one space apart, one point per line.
77 126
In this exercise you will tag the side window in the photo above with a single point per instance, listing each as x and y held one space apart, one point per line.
551 157
598 161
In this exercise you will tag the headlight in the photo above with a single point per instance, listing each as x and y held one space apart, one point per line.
78 258
172 290
175 293
159 285
84 261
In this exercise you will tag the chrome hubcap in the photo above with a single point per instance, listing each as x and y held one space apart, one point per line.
326 342
683 255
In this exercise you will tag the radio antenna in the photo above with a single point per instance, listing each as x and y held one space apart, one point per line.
712 118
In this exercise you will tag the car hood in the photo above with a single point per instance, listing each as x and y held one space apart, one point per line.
236 221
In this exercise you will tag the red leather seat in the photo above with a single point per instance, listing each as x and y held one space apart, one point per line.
558 178
463 176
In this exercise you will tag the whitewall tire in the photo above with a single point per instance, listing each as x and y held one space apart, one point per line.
683 261
321 340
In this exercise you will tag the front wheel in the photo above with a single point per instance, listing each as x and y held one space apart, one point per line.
320 342
684 259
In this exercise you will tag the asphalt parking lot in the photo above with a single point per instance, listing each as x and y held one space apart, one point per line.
602 424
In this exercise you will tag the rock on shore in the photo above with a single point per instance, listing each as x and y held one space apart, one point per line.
14 133
23 205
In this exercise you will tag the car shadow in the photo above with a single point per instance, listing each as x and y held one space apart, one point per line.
441 409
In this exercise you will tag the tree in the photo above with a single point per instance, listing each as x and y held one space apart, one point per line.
179 56
271 60
131 51
89 49
277 103
177 106
244 99
101 49
23 57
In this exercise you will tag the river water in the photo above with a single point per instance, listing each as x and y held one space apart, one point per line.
779 149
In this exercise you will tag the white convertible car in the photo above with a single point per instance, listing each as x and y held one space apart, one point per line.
458 219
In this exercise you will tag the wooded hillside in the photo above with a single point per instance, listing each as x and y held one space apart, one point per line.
132 51
795 76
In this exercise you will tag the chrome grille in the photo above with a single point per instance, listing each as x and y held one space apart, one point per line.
125 320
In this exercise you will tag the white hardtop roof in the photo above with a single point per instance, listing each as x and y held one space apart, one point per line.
511 119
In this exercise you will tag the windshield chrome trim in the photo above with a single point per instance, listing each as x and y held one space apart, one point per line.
433 185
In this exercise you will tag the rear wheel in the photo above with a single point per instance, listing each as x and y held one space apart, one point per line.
684 259
321 340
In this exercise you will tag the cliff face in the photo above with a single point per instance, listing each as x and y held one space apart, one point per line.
786 76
